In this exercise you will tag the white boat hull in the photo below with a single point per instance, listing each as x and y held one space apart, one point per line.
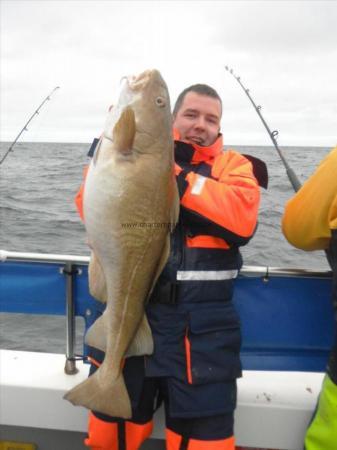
274 408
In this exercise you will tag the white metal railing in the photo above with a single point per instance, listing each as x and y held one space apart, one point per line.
84 260
42 257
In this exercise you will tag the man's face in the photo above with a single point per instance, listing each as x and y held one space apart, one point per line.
198 119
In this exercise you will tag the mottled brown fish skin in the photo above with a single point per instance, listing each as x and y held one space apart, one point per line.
130 204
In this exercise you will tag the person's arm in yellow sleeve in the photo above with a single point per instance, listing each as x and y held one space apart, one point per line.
311 214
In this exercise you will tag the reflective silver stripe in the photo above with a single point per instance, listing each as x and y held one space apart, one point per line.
184 275
198 185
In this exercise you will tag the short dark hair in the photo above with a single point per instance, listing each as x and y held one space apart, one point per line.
201 89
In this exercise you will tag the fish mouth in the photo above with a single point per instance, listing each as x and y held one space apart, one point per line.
139 82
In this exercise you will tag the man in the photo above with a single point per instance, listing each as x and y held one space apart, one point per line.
195 327
310 223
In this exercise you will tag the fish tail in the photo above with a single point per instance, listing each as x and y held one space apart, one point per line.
105 396
96 336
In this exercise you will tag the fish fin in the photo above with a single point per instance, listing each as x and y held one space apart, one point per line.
175 208
96 335
142 343
105 395
124 131
97 283
161 263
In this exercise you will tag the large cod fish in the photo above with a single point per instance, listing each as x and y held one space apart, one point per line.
131 204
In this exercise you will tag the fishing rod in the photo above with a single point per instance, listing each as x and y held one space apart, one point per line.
296 184
25 126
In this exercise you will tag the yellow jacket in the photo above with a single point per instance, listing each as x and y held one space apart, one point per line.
311 214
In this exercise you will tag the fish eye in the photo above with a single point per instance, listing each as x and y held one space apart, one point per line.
160 101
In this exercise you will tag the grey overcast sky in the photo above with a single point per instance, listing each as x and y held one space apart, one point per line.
284 51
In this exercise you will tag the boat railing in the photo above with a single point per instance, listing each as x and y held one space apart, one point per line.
247 270
56 284
43 257
70 267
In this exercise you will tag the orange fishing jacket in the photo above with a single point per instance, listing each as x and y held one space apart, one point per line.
194 324
219 197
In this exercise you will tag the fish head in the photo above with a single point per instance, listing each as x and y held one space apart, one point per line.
151 102
146 96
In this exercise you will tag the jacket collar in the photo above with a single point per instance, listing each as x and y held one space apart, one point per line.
194 153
